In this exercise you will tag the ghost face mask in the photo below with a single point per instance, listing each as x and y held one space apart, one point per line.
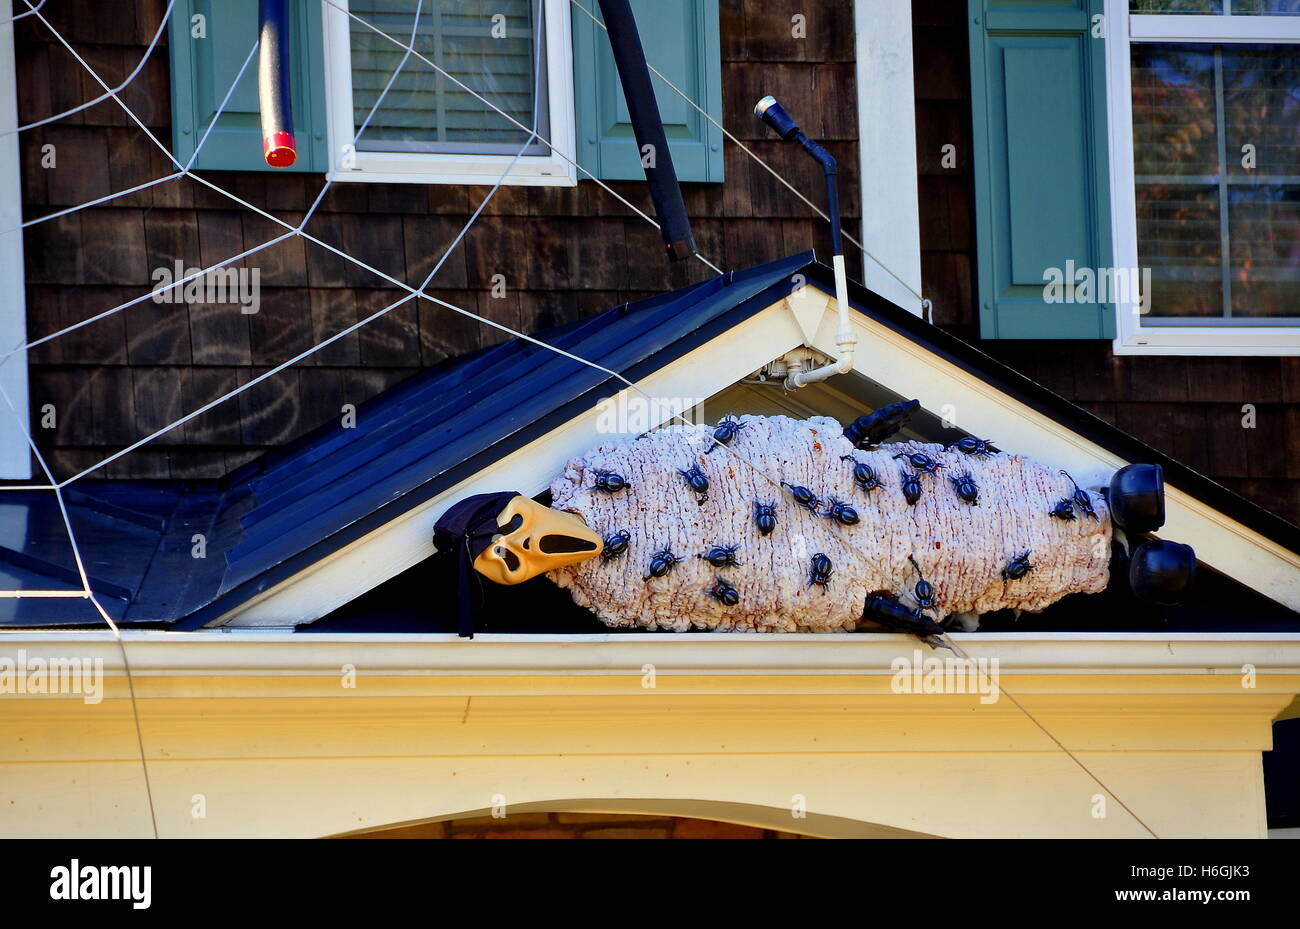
534 539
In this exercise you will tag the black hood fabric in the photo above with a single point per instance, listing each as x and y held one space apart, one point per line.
461 535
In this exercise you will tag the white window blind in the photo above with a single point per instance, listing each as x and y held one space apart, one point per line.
1216 136
489 45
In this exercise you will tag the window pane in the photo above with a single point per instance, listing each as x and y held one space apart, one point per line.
488 45
1264 236
1178 239
1261 109
1175 139
1266 7
1220 241
1175 6
1261 116
1174 127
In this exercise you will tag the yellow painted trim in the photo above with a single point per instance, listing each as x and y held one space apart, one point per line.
263 731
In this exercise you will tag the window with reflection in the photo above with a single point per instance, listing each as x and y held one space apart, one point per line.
1216 161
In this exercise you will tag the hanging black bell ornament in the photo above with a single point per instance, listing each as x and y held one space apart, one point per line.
1137 498
1161 571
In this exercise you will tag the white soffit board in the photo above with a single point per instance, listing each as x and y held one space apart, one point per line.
883 355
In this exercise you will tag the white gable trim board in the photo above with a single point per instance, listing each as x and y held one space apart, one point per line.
883 355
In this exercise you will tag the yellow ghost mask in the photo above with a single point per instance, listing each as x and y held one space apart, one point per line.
535 539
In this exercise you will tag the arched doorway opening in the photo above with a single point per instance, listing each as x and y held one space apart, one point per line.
634 819
577 826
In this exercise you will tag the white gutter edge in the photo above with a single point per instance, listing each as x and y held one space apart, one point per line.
201 654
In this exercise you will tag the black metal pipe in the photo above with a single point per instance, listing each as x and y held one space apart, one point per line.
832 196
273 90
647 125
772 113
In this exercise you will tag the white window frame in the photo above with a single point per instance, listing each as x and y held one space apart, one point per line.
551 170
1122 30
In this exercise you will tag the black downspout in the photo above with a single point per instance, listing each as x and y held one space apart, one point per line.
828 164
647 124
273 93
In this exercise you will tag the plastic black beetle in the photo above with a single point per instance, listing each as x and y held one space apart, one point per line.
924 590
697 481
841 512
610 482
863 474
889 612
726 430
1064 510
661 562
870 430
911 487
723 592
820 572
804 497
765 516
980 448
1017 567
1082 499
615 544
921 461
966 488
721 556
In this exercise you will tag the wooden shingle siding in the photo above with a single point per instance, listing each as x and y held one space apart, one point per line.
565 253
947 205
1193 409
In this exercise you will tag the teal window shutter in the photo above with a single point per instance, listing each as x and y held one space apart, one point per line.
1042 186
681 39
202 70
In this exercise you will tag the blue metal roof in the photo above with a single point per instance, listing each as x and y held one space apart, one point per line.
298 504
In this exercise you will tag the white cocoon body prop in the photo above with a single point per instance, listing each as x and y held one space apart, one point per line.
962 548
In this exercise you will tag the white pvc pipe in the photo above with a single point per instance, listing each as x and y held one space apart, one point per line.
845 338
